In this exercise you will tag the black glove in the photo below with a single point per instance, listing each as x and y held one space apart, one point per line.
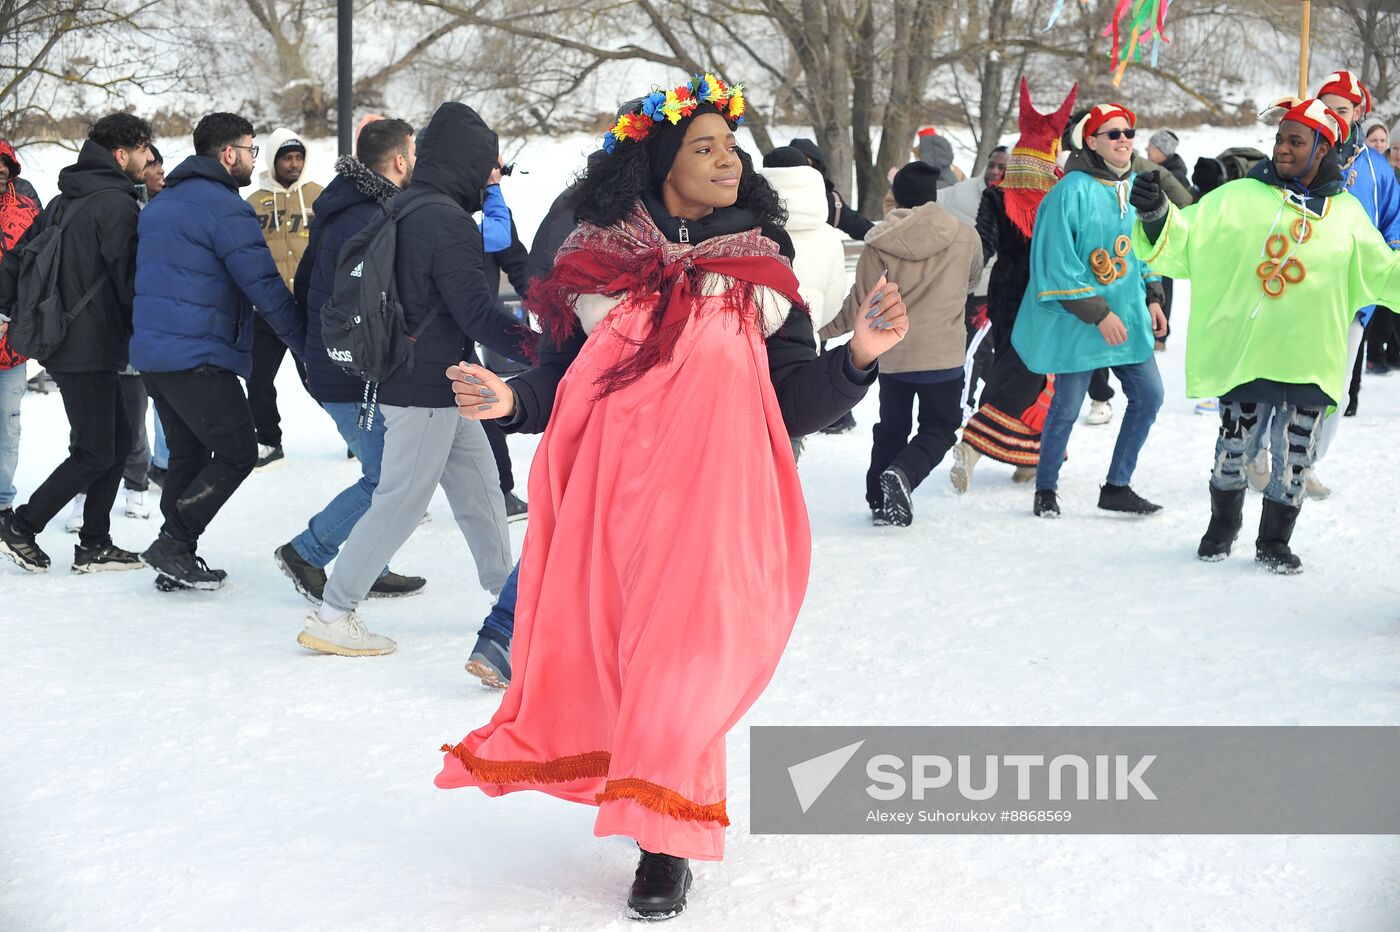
1147 196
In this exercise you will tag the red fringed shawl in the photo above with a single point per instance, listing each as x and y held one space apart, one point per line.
633 257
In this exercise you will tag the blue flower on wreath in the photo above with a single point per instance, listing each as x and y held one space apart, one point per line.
609 142
701 89
651 105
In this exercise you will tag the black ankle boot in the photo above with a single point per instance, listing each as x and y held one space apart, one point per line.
1275 528
658 892
1226 519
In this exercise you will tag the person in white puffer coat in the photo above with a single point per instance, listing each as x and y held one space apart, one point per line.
820 263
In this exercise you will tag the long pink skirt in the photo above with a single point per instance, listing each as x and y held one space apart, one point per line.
666 559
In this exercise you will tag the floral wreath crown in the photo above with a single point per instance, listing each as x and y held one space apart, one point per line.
675 105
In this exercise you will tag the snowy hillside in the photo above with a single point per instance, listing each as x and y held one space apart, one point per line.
177 762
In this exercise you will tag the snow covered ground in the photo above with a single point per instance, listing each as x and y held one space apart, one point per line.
177 762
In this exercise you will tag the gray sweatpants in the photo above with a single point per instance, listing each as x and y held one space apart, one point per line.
424 448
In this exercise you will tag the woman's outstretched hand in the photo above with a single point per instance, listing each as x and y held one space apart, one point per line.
481 394
883 322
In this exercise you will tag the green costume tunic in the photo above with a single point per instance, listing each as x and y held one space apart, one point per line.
1274 286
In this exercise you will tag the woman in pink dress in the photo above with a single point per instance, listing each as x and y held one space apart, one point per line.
668 549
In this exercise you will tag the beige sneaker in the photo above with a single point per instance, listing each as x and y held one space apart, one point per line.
965 457
347 636
1260 471
1314 489
1100 412
1023 474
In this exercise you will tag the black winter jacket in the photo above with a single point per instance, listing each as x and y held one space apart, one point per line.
99 243
813 391
438 263
349 202
1012 248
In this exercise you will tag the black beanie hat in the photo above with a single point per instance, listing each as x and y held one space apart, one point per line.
915 184
785 157
664 143
155 155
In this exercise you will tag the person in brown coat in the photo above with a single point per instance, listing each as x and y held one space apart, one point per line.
937 261
283 203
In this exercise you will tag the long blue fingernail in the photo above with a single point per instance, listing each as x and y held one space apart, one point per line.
483 407
472 380
487 393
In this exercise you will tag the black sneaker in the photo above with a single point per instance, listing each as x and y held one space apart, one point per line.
516 508
1046 504
267 455
309 580
659 889
104 557
168 557
156 475
20 547
394 585
899 509
1123 498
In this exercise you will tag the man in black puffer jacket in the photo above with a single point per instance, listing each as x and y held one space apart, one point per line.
438 270
361 189
97 281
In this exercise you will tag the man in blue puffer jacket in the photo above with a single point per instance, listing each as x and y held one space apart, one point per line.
361 189
202 268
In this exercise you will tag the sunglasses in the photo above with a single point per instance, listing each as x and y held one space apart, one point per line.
1117 134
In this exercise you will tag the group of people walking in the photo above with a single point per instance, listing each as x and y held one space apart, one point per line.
688 305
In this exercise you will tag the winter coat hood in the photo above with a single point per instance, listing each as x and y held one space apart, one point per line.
915 233
803 190
201 166
267 179
95 170
7 152
1092 164
456 153
355 183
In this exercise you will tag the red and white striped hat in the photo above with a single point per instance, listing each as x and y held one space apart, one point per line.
1345 84
1314 113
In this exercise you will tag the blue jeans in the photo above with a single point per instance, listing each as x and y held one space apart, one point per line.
12 387
1142 383
501 620
160 453
331 527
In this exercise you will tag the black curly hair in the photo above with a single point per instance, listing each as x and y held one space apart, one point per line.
611 183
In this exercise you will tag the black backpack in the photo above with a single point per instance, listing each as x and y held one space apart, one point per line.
363 323
39 321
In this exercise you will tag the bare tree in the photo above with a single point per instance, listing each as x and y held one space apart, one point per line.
60 58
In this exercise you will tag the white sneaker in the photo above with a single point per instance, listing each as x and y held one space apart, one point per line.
347 636
136 504
1260 471
965 457
74 524
1100 412
1209 406
1314 488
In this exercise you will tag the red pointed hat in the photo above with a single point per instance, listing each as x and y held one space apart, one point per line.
1097 117
1041 132
1345 84
1312 113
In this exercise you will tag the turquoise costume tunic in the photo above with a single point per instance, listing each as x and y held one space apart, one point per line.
1082 247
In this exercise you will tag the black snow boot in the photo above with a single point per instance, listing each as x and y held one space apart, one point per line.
658 892
1226 518
1123 498
395 585
1046 504
1275 528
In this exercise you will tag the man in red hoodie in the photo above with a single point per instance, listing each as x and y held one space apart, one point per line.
19 205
